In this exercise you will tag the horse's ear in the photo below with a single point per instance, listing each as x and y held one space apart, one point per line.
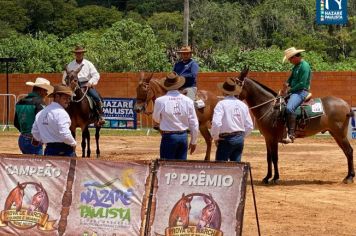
244 73
142 75
150 77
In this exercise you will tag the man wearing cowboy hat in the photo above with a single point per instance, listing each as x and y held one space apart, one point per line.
52 125
297 85
25 113
175 114
88 76
188 68
231 123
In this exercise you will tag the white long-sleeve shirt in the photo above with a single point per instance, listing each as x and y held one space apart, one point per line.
175 112
231 115
87 75
52 126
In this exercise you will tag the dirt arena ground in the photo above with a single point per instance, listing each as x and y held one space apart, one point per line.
310 199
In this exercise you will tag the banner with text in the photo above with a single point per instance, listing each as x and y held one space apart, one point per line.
31 195
352 126
331 12
119 113
107 198
205 199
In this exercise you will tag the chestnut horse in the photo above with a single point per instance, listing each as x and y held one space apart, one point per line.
81 113
15 197
180 213
261 101
149 89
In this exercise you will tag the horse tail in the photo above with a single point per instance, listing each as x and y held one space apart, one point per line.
351 124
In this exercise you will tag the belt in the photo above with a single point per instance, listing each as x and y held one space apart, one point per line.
173 132
27 135
222 135
59 145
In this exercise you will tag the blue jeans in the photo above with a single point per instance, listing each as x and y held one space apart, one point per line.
174 146
230 148
295 100
94 94
26 147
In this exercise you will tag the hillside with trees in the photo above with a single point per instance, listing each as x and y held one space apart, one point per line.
133 35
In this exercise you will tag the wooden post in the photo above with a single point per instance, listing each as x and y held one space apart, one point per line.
186 23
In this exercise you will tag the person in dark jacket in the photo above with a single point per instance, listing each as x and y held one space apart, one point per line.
25 113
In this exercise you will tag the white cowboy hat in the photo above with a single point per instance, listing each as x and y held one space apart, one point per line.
41 83
172 81
288 53
230 87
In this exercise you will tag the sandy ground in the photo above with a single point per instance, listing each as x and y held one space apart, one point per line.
310 198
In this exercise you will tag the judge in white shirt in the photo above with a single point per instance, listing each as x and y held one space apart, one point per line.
175 114
88 76
52 125
231 123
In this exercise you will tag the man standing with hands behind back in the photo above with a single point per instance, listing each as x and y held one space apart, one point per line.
175 114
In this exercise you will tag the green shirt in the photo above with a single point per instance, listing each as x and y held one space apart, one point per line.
300 77
26 110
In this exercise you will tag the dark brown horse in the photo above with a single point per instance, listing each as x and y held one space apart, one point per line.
335 119
149 89
210 215
81 113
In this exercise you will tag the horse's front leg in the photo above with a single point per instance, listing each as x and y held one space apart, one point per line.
272 157
208 140
97 137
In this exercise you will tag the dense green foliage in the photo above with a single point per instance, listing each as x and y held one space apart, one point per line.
132 35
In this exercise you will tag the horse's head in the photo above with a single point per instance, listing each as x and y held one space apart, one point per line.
180 213
39 200
240 81
207 214
142 92
71 78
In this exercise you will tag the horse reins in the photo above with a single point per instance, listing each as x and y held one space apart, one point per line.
85 93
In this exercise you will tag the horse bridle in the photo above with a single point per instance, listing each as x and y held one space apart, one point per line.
78 87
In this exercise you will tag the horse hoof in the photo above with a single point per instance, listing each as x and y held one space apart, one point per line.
348 180
265 181
275 181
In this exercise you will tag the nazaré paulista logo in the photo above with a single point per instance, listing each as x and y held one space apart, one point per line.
107 204
26 207
331 11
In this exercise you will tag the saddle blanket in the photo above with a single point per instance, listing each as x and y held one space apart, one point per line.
311 109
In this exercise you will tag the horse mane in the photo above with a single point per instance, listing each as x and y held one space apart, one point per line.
265 87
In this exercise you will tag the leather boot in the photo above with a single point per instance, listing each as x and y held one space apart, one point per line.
99 108
291 123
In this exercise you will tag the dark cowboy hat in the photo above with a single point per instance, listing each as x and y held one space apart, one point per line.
61 89
230 87
185 49
78 49
172 81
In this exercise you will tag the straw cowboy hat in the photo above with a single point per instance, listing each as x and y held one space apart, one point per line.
172 81
288 53
230 87
41 83
185 49
79 49
61 89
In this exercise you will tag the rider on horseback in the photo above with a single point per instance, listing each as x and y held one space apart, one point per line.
88 77
297 86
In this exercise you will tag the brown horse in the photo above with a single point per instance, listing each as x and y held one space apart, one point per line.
81 113
210 214
39 201
149 89
15 197
261 101
180 213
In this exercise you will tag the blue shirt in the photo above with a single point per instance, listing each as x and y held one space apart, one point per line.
189 70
